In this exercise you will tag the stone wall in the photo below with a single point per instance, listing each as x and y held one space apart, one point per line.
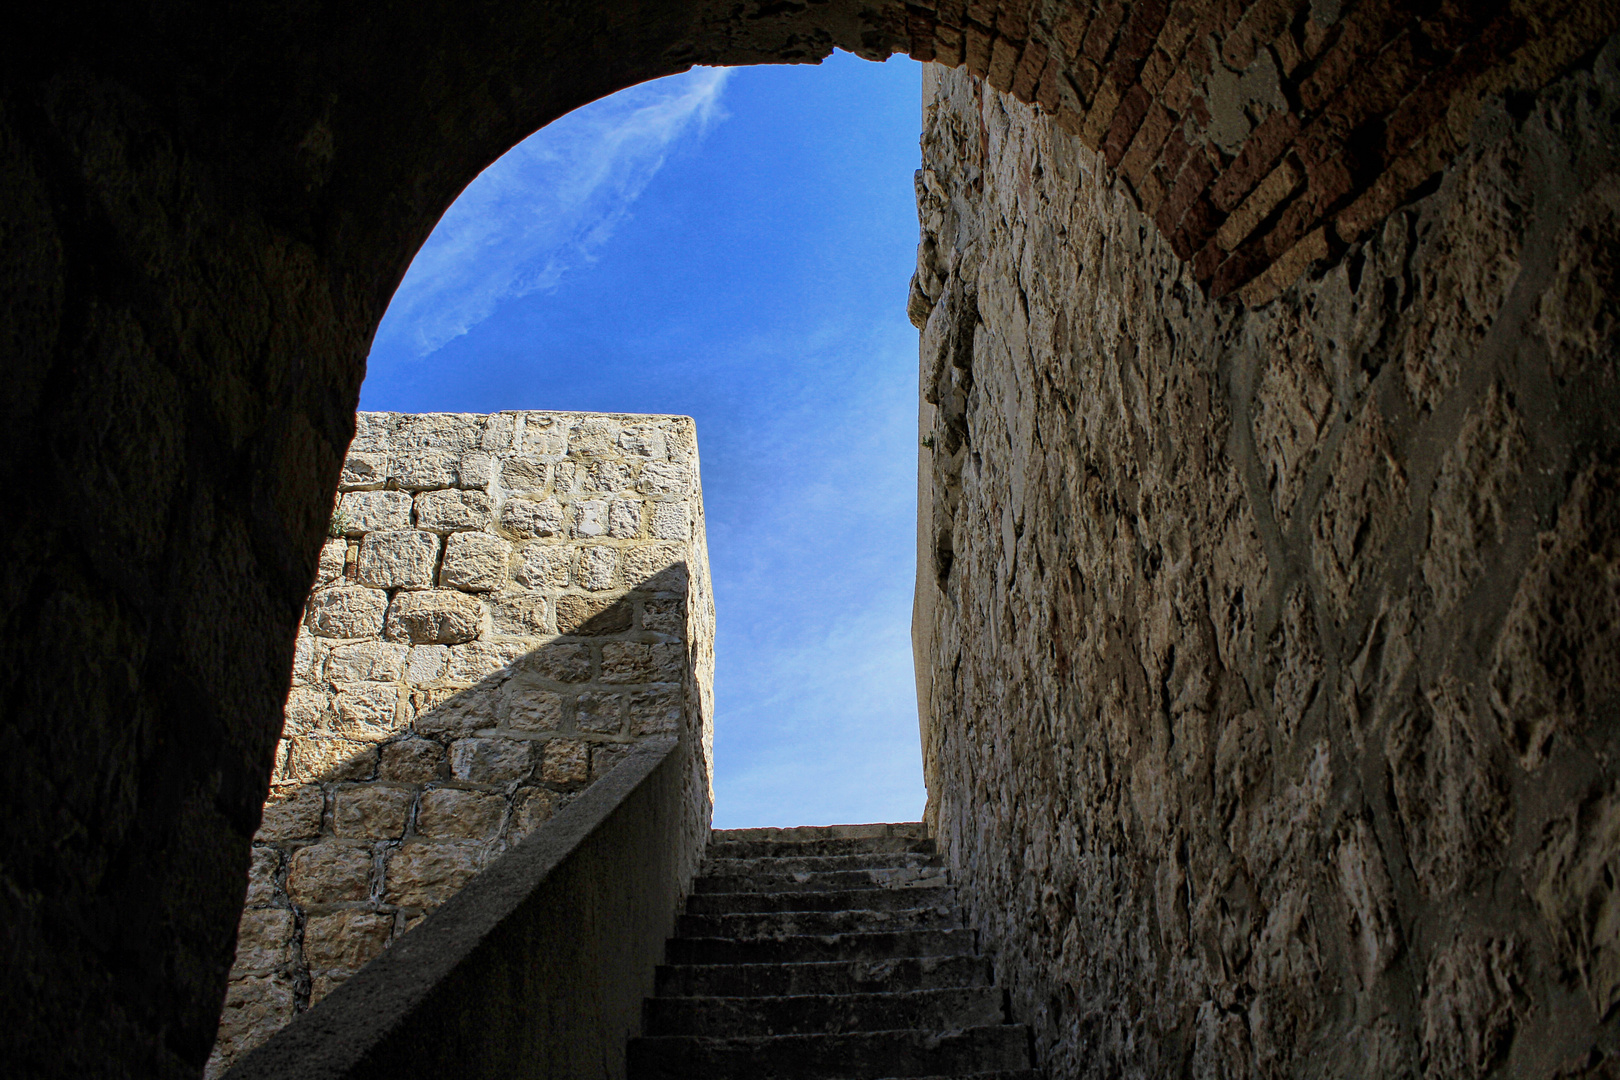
512 601
1268 656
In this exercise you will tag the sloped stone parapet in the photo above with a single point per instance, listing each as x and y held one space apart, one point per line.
537 967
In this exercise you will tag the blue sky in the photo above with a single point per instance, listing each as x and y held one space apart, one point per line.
734 246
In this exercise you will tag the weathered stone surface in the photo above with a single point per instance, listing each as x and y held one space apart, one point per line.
1574 878
664 616
320 758
624 519
475 562
599 714
328 872
544 566
566 761
527 518
434 617
524 706
263 870
365 712
453 511
376 661
345 940
1579 311
531 808
309 658
400 559
596 568
1364 504
413 761
491 761
590 519
1470 508
524 474
450 711
480 659
519 613
417 468
292 814
427 663
1463 275
347 611
256 1006
643 440
264 939
448 813
371 812
659 567
364 470
424 875
591 435
664 478
656 711
309 710
330 567
1453 801
670 521
568 663
635 662
1470 1008
1558 656
592 615
375 511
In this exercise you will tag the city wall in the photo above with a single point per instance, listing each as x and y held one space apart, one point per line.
1267 655
508 604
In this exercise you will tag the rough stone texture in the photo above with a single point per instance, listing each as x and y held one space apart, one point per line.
1268 655
419 747
205 210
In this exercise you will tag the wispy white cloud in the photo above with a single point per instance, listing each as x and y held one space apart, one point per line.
545 208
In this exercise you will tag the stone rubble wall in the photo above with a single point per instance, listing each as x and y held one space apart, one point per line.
1269 657
512 602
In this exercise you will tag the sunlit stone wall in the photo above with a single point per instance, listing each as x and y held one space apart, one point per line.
508 603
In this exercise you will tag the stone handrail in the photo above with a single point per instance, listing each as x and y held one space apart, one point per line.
537 968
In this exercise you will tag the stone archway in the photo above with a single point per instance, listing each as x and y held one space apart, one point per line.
207 209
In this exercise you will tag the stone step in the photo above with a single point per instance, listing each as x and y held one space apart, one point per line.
907 1053
868 899
910 829
775 849
774 924
908 877
806 948
740 1016
826 977
792 865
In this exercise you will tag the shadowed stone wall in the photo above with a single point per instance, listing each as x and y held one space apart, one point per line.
1269 657
513 602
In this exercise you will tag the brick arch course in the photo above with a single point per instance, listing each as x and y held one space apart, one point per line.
204 209
1262 136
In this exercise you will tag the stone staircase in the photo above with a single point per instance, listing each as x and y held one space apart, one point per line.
825 954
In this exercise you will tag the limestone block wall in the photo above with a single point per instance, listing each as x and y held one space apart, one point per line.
509 603
1269 658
